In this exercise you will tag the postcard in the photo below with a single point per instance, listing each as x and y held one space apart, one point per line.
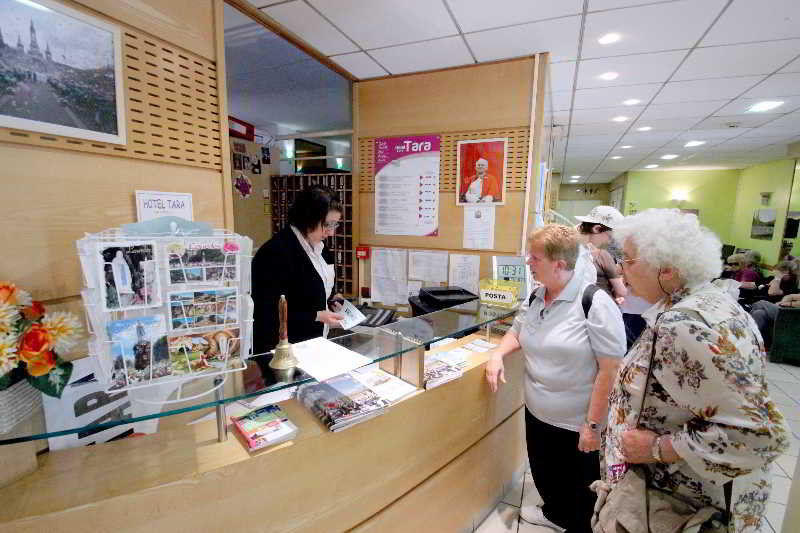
203 352
202 260
130 275
202 308
138 349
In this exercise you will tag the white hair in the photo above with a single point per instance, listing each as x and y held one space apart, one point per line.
481 159
669 238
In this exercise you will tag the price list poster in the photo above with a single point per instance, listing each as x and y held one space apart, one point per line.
407 185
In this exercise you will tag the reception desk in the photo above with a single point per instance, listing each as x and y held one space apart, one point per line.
438 460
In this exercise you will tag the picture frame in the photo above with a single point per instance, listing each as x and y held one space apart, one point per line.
481 171
67 79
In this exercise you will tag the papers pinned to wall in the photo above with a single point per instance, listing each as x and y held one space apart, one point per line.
389 276
427 265
479 227
465 271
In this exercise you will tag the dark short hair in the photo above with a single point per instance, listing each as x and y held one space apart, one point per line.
311 207
586 228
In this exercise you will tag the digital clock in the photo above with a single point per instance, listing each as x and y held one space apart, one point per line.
511 268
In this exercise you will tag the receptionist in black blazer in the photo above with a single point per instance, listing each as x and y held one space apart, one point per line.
295 262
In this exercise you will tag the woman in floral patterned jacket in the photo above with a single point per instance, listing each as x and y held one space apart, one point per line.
707 417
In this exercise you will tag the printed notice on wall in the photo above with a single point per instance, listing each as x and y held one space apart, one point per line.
479 227
389 276
407 185
155 204
465 272
427 265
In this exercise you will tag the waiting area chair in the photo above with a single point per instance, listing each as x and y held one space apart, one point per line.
786 337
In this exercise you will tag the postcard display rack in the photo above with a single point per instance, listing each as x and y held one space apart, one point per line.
167 308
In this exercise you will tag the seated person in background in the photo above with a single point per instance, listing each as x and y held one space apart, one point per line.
764 313
785 253
747 274
784 281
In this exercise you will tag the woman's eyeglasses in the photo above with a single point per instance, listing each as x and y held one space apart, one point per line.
331 225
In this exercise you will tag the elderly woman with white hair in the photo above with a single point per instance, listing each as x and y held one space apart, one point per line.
690 401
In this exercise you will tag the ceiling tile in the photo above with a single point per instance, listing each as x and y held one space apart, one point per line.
599 128
562 76
559 37
777 85
561 100
595 5
737 60
619 165
648 139
651 28
311 27
584 140
741 105
448 52
711 135
681 110
666 124
632 70
755 20
794 66
473 15
752 120
705 90
360 65
376 23
614 96
605 114
792 120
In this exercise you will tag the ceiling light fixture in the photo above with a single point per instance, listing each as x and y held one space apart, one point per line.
574 177
616 157
651 166
620 118
669 156
644 128
608 76
626 146
766 105
609 38
631 101
692 144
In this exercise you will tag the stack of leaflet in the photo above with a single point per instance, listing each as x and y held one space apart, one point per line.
341 401
438 372
389 387
479 345
265 426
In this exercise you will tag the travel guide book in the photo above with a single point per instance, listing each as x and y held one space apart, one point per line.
266 426
341 401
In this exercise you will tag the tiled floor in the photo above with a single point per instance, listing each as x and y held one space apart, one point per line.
784 386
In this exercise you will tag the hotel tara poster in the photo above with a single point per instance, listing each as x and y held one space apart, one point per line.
407 185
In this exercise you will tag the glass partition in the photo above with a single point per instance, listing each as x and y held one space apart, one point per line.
378 344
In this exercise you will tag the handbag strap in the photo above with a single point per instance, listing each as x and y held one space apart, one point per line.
728 486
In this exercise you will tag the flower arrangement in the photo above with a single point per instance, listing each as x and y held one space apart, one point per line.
30 338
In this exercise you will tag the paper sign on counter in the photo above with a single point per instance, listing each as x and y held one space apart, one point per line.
323 359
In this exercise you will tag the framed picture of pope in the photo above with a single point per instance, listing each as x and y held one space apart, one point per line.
481 171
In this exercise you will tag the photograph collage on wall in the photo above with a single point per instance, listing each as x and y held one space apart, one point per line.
197 309
130 275
198 352
202 260
138 350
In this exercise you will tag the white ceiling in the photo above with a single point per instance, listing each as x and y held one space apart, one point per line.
694 65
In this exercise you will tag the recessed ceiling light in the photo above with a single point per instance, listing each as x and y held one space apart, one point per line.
574 177
616 157
609 38
644 128
626 146
620 118
766 105
651 166
631 101
692 144
669 156
608 76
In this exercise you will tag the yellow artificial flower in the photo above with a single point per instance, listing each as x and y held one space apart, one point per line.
10 294
9 314
9 358
64 329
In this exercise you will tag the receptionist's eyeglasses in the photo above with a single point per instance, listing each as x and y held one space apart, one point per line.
331 225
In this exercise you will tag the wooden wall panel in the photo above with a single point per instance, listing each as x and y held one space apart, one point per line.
516 160
495 95
49 198
185 23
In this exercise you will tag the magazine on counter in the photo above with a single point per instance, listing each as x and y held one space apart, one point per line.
389 387
341 401
265 426
438 372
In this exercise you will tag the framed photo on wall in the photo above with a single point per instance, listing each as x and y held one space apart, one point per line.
764 224
481 171
63 75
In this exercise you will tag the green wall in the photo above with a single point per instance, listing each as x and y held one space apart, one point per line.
775 177
794 204
712 192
